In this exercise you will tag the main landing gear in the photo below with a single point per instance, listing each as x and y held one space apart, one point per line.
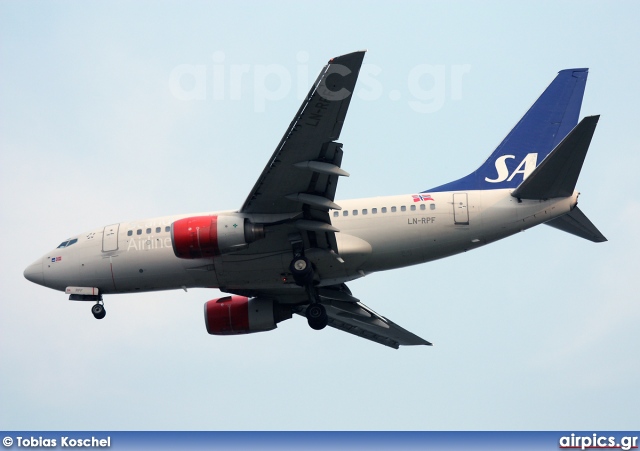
317 316
302 272
98 309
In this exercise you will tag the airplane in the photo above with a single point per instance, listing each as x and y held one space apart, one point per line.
291 248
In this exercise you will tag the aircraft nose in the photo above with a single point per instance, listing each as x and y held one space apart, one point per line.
34 273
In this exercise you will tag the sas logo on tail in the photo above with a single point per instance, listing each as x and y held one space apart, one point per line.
422 197
526 167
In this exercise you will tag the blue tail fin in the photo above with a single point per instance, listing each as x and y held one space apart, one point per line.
547 122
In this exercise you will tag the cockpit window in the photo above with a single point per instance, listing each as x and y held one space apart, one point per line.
68 243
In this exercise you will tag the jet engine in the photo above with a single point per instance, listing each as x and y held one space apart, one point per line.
232 315
208 236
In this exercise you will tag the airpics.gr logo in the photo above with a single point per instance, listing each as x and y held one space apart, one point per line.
526 167
596 441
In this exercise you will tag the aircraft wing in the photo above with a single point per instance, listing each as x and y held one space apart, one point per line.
358 319
300 181
346 313
302 174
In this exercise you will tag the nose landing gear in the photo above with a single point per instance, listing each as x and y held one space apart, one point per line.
98 310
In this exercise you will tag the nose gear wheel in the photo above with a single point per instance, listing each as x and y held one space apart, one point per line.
98 310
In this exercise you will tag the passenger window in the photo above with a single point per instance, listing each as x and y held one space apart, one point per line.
158 229
149 230
355 212
432 206
130 232
413 207
336 214
345 213
167 229
364 211
384 209
403 208
393 209
423 207
139 232
374 211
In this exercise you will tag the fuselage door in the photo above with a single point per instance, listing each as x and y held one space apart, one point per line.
460 209
110 238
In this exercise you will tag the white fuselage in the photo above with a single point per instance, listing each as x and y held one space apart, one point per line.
376 234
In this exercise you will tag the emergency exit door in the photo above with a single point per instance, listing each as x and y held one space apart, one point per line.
110 238
460 209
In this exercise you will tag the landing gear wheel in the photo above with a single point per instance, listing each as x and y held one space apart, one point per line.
301 270
98 311
317 316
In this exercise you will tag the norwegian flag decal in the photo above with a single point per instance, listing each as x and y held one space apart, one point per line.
422 197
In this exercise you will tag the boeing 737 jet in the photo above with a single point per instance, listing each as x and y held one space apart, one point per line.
291 248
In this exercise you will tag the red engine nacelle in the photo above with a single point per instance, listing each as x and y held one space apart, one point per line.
233 315
208 236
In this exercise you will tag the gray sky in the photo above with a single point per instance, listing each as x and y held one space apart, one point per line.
116 111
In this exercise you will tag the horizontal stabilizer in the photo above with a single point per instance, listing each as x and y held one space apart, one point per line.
576 223
558 173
